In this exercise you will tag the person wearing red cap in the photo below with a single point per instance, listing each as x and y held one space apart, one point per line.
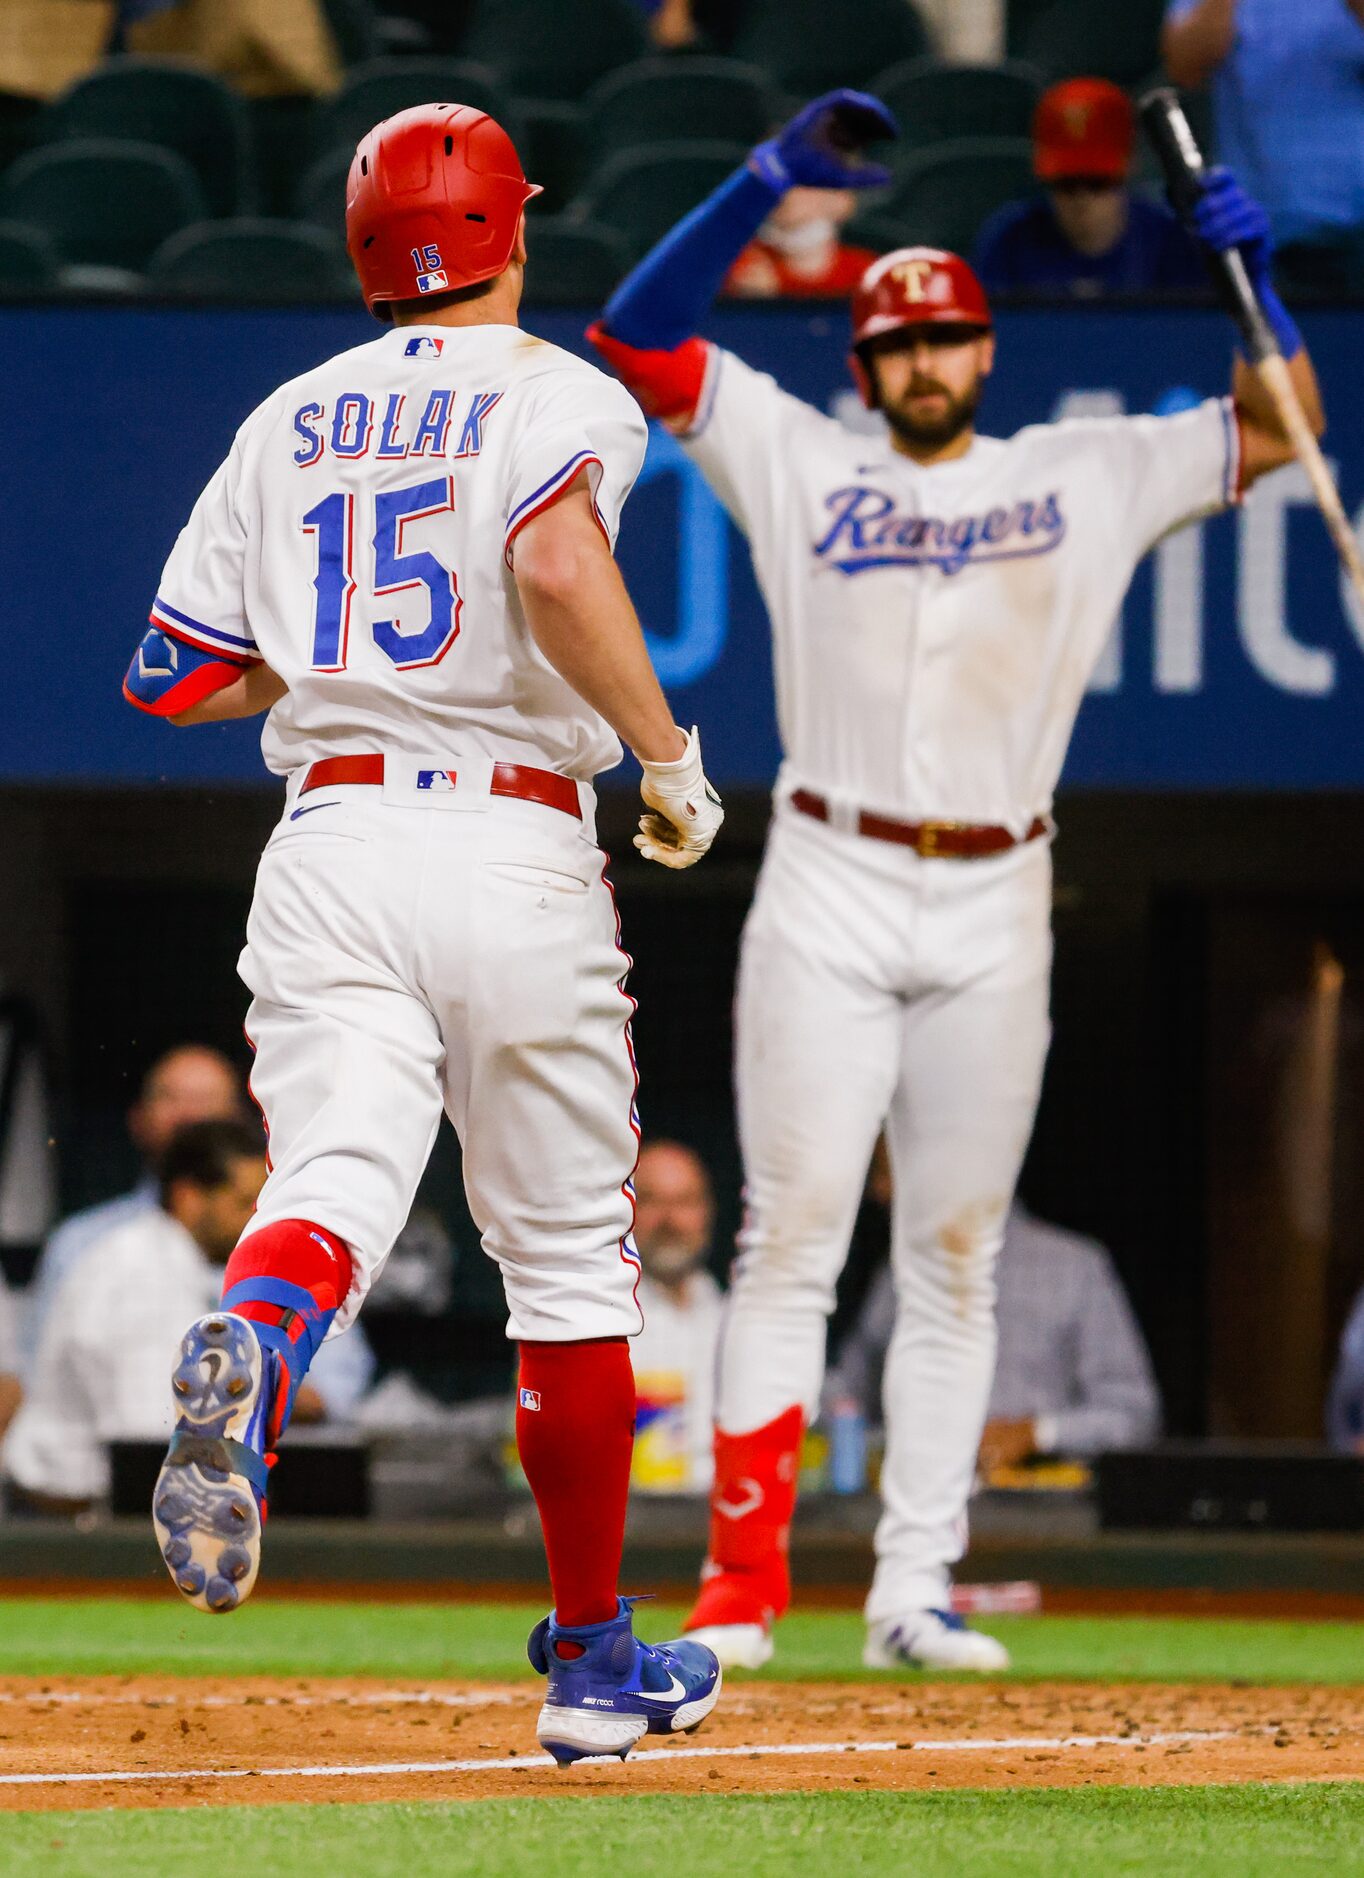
938 600
1089 236
407 560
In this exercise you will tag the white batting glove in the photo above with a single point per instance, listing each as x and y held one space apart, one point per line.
685 812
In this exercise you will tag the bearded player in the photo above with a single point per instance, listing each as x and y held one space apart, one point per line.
407 559
938 600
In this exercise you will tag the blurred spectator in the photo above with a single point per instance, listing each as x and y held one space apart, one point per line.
672 24
102 1369
1072 1374
1287 80
968 32
28 1198
263 48
1345 1403
674 1354
799 252
46 45
11 1389
1089 235
191 1083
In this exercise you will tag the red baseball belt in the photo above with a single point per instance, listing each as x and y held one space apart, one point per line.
957 841
517 780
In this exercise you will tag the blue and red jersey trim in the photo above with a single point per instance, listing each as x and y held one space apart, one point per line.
549 493
213 638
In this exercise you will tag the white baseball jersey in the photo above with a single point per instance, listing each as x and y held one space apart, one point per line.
934 627
359 540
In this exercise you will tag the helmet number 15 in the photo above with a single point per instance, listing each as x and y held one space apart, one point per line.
332 523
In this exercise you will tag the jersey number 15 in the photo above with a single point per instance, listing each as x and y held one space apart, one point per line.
332 522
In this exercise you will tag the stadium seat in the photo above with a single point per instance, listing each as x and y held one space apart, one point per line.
320 198
552 149
354 27
573 263
102 202
382 87
547 49
664 100
942 196
808 46
156 101
18 120
27 263
252 259
1086 38
641 193
935 101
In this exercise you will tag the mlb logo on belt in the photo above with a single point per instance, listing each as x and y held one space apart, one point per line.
530 1398
423 346
439 779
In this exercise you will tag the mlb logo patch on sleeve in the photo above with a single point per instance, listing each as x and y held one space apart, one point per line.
530 1398
422 346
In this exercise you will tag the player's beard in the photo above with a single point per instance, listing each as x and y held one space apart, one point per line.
934 433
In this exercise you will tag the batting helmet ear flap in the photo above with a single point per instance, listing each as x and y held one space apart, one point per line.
863 379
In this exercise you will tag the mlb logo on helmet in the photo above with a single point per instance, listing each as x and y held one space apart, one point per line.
530 1398
423 347
430 276
438 779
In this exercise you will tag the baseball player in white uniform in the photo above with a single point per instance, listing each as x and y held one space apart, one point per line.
938 600
407 559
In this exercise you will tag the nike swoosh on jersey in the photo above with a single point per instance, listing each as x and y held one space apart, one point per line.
311 809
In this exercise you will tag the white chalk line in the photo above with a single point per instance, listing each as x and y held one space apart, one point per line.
521 1763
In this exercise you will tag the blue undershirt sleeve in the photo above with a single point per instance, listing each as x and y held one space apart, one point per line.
661 302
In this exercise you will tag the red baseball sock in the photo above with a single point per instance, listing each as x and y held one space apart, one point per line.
575 1429
747 1577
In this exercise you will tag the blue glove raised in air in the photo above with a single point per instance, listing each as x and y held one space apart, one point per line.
821 148
1224 217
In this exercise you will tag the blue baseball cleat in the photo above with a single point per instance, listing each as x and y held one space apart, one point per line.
209 1502
619 1689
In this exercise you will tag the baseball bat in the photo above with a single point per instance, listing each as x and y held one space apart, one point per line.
1180 158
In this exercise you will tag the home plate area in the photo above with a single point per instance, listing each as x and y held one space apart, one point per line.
142 1741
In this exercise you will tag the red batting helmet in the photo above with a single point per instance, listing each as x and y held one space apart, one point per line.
913 287
433 203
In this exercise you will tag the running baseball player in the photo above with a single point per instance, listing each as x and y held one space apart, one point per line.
407 560
938 600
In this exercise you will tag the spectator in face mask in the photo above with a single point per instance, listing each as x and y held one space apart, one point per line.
799 252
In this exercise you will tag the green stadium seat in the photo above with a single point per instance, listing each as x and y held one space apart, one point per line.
156 101
573 263
942 196
382 87
641 193
552 147
935 101
809 46
102 202
18 120
667 100
1086 38
27 262
320 198
552 49
354 27
252 258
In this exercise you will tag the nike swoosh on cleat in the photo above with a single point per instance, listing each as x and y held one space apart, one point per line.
675 1693
311 809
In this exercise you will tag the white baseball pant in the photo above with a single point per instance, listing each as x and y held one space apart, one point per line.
878 988
409 950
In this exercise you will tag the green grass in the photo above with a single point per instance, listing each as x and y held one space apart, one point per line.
1217 1832
64 1637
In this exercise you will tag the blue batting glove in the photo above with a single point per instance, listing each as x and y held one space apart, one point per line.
1225 217
821 147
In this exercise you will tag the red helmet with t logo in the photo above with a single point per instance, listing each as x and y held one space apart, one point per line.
913 287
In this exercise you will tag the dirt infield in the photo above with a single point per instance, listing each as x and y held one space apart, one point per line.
165 1741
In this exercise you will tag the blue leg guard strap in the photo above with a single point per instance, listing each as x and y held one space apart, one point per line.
297 1338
